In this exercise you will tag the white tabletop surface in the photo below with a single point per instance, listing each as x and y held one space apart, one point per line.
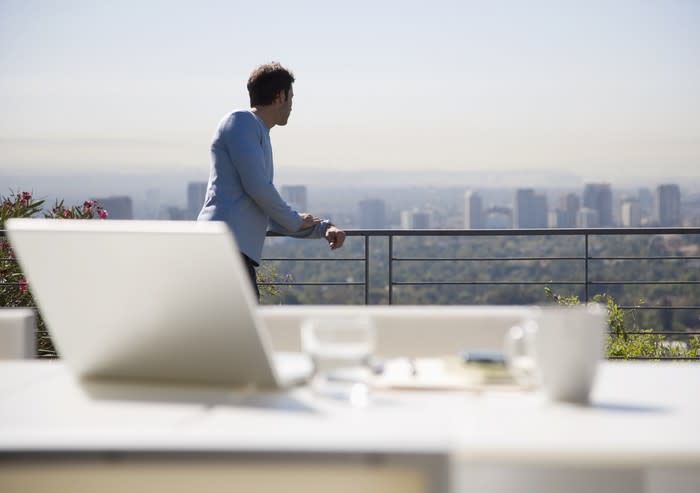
642 414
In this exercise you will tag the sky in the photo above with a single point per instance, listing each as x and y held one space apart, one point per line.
601 88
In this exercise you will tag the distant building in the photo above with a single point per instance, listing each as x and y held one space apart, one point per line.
195 198
295 195
530 209
523 208
118 207
668 205
630 212
646 201
540 211
569 204
372 214
587 218
415 219
598 196
473 210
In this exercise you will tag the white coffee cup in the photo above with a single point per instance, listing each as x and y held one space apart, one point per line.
559 348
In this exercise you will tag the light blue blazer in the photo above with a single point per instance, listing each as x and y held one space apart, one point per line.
240 191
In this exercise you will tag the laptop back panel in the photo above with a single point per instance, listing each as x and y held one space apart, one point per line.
145 300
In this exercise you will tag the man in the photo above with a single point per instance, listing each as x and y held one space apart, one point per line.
240 191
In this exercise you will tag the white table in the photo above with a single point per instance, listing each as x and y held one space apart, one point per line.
640 433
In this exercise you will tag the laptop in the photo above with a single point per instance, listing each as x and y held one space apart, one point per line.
152 301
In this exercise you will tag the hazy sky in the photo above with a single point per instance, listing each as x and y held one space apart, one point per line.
605 88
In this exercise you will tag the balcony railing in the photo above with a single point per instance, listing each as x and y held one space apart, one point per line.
592 255
588 260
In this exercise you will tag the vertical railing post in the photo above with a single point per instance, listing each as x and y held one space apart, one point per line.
366 269
585 296
391 263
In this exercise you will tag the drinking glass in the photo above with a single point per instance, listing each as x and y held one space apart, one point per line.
341 352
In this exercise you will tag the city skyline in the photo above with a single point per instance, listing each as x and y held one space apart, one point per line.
453 207
602 89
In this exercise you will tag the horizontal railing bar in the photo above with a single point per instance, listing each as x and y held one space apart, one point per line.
311 283
479 259
459 283
508 232
680 283
663 333
493 259
645 258
662 358
450 259
517 232
633 307
327 259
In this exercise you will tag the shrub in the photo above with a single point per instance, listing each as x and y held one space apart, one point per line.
642 343
14 289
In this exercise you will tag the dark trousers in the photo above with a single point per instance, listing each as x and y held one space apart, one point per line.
251 265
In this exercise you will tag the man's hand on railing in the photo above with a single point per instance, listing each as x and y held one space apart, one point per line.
309 220
335 237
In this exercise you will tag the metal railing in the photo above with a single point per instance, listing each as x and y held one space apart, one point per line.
586 259
582 260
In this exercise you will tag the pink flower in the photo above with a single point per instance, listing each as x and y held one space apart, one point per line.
103 214
23 285
26 197
88 204
66 213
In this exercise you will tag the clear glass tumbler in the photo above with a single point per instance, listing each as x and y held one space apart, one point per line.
341 351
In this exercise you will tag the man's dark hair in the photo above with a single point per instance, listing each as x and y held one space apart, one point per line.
266 81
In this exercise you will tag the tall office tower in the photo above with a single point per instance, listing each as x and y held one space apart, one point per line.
295 195
195 198
630 212
598 196
569 204
473 210
540 211
668 205
415 219
372 214
587 218
530 209
523 210
119 207
646 201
